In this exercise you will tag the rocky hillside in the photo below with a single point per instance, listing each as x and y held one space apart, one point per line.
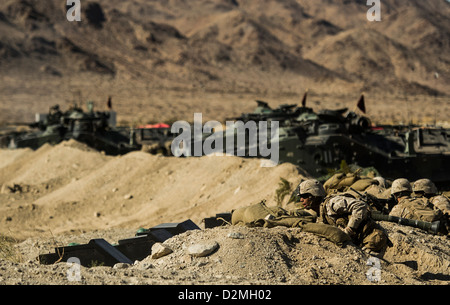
168 58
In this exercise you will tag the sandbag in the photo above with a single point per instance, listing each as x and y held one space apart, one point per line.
332 233
341 181
250 214
288 221
362 184
333 182
346 182
260 215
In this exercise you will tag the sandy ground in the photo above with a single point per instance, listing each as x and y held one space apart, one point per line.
69 193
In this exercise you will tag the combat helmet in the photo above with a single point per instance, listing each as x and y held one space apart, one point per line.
313 187
381 181
401 185
426 186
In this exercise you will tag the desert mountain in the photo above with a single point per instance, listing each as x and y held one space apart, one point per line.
162 60
167 59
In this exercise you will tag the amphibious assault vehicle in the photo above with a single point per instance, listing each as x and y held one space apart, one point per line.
319 142
94 128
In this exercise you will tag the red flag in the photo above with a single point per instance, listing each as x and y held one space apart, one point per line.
362 104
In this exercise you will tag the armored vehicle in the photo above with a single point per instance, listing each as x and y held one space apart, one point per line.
412 152
92 128
263 112
319 142
155 138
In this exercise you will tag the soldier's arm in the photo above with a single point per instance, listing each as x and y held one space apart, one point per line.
359 212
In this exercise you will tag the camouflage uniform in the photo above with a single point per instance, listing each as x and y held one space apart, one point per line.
411 207
344 211
352 215
335 207
426 188
442 203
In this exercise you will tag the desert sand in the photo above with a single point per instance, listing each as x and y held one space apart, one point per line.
69 193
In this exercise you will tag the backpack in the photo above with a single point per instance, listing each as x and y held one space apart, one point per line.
415 208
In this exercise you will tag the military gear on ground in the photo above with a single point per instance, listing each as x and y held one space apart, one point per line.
255 215
260 215
401 185
330 232
283 221
249 214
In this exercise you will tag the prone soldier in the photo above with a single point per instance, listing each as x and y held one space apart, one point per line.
410 207
425 188
310 194
345 211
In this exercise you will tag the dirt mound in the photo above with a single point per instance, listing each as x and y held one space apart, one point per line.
69 187
247 256
280 255
68 193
